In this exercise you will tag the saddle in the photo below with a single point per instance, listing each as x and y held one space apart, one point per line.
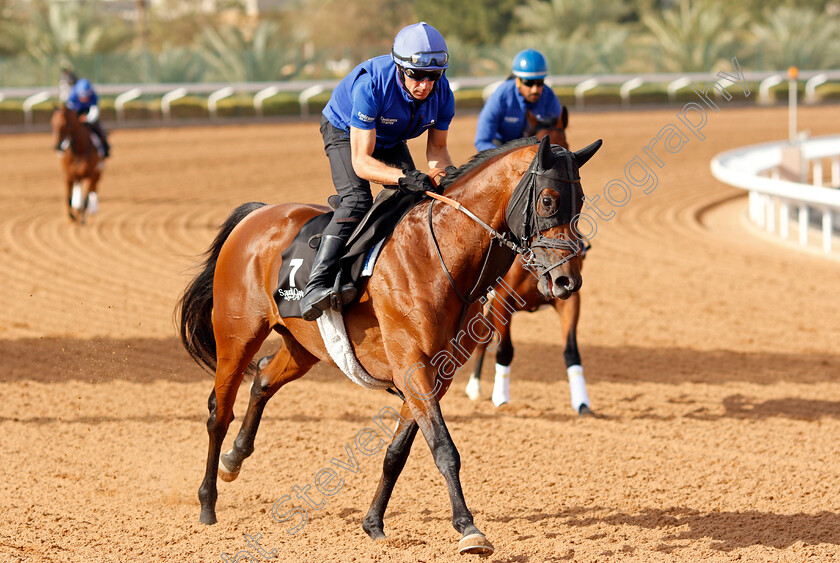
360 251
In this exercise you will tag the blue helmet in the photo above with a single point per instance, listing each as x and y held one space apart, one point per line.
529 64
420 46
83 88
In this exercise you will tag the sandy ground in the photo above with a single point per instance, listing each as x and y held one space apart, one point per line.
711 355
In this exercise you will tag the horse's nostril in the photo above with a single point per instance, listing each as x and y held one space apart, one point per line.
565 282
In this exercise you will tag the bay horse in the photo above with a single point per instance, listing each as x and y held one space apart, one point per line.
520 293
80 162
406 327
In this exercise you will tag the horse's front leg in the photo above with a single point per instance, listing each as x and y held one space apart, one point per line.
423 398
69 187
569 311
395 458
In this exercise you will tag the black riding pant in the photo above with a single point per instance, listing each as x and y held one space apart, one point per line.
355 194
96 127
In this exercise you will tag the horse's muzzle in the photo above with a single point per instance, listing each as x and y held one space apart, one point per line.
559 285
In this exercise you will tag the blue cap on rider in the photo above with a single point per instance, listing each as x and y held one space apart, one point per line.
83 88
419 46
530 65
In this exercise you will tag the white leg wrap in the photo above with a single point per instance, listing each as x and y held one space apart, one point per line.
474 388
501 386
76 197
577 386
92 203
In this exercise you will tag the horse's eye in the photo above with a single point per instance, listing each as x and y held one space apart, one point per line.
546 201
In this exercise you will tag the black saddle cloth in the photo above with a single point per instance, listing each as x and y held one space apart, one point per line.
388 209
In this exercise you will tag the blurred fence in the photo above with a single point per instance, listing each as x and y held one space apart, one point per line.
27 108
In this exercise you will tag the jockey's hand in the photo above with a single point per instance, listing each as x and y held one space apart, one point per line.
415 182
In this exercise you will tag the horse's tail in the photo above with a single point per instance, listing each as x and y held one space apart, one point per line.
195 308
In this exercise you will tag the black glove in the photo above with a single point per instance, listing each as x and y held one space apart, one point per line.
415 182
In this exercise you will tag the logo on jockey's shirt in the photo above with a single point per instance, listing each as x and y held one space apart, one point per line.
512 119
388 120
363 117
292 294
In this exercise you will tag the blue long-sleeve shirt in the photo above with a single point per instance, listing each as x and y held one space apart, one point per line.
503 116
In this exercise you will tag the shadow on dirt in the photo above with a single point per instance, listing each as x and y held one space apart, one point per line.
727 530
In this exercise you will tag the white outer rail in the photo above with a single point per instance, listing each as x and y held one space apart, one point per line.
213 100
168 98
124 98
31 102
771 199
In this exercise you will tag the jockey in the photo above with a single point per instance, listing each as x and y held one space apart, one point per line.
371 114
503 117
84 102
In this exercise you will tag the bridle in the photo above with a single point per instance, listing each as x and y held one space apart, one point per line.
521 238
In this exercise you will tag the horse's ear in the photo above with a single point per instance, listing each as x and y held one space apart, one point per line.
544 154
584 154
531 119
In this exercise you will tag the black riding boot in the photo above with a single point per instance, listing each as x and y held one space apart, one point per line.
320 292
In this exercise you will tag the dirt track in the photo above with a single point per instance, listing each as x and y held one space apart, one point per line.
711 356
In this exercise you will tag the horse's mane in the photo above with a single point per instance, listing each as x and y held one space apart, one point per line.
485 155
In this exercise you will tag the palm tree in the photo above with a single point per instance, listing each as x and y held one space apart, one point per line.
576 37
800 37
234 56
70 32
694 35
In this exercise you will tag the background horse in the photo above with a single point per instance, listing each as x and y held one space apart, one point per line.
405 330
80 161
520 293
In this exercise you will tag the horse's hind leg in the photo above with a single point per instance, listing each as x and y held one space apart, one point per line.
474 384
92 198
234 354
395 458
569 311
504 353
473 389
287 364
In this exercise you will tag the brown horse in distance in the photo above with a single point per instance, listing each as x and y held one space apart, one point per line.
520 293
406 329
80 162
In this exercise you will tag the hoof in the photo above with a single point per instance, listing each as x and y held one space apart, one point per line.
375 531
224 473
584 410
208 517
475 544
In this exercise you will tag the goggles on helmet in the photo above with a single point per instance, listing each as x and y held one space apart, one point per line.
425 59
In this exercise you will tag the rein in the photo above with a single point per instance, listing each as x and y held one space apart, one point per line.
494 234
524 234
492 256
